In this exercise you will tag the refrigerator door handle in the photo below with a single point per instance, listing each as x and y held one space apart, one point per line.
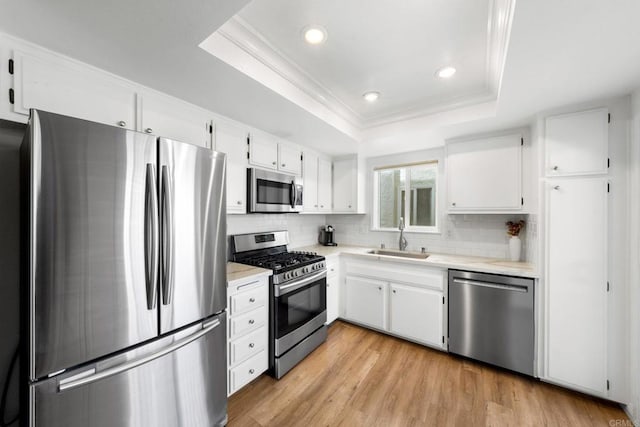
167 237
83 379
151 247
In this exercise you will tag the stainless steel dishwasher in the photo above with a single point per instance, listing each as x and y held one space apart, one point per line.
491 319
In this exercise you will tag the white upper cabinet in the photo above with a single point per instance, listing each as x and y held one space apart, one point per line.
65 87
266 152
310 182
577 143
263 151
317 184
289 159
324 185
485 175
172 118
232 140
348 185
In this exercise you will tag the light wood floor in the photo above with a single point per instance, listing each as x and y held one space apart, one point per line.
364 378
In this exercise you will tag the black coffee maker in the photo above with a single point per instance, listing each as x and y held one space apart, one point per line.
326 236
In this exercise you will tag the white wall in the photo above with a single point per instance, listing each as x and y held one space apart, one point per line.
634 258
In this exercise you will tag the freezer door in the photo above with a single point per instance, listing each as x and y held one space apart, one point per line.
178 380
91 242
193 227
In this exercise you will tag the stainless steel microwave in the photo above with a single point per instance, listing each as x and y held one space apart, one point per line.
272 192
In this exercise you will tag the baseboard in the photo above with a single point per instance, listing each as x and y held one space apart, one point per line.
635 418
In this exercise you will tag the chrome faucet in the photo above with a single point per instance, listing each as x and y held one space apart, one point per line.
402 243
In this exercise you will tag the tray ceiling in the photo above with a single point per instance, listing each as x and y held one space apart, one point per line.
394 48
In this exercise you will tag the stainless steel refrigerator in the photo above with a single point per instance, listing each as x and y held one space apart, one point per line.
124 279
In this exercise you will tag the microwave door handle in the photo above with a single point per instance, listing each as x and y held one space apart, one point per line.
293 196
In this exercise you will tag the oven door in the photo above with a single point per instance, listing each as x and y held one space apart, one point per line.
273 192
300 307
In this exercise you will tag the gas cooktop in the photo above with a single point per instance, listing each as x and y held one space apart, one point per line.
284 261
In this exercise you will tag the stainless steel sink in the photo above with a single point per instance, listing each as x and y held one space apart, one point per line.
402 254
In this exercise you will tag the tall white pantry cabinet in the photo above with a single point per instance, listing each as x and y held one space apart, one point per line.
576 186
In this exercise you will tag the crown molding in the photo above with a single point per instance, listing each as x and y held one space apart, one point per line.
247 38
324 104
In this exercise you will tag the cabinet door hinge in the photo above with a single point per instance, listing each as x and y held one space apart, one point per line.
608 187
301 157
248 156
521 141
211 129
608 287
443 300
608 162
521 201
11 96
11 66
443 339
609 118
248 138
607 384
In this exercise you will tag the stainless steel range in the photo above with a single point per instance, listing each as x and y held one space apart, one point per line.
298 296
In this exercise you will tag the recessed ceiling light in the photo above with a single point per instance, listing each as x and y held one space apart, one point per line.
314 34
371 96
445 72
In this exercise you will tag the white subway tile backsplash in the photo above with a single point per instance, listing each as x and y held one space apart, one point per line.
477 235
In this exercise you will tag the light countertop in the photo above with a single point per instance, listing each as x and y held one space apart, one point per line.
461 262
237 272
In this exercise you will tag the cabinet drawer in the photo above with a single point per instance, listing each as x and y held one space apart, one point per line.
248 345
397 272
247 371
248 300
248 322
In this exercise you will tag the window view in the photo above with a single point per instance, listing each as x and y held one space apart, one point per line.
392 187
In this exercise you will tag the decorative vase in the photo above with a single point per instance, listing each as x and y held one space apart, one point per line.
514 248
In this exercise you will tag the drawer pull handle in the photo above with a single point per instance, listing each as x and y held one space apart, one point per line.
394 291
251 322
251 345
122 123
251 371
252 300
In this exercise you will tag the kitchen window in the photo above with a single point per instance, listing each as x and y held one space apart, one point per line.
409 192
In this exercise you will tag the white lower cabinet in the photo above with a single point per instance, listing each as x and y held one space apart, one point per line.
366 301
416 313
247 334
404 300
333 289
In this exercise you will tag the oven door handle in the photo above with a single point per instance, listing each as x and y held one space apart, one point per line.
285 289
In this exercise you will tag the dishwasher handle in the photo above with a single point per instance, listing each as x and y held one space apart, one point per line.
515 288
